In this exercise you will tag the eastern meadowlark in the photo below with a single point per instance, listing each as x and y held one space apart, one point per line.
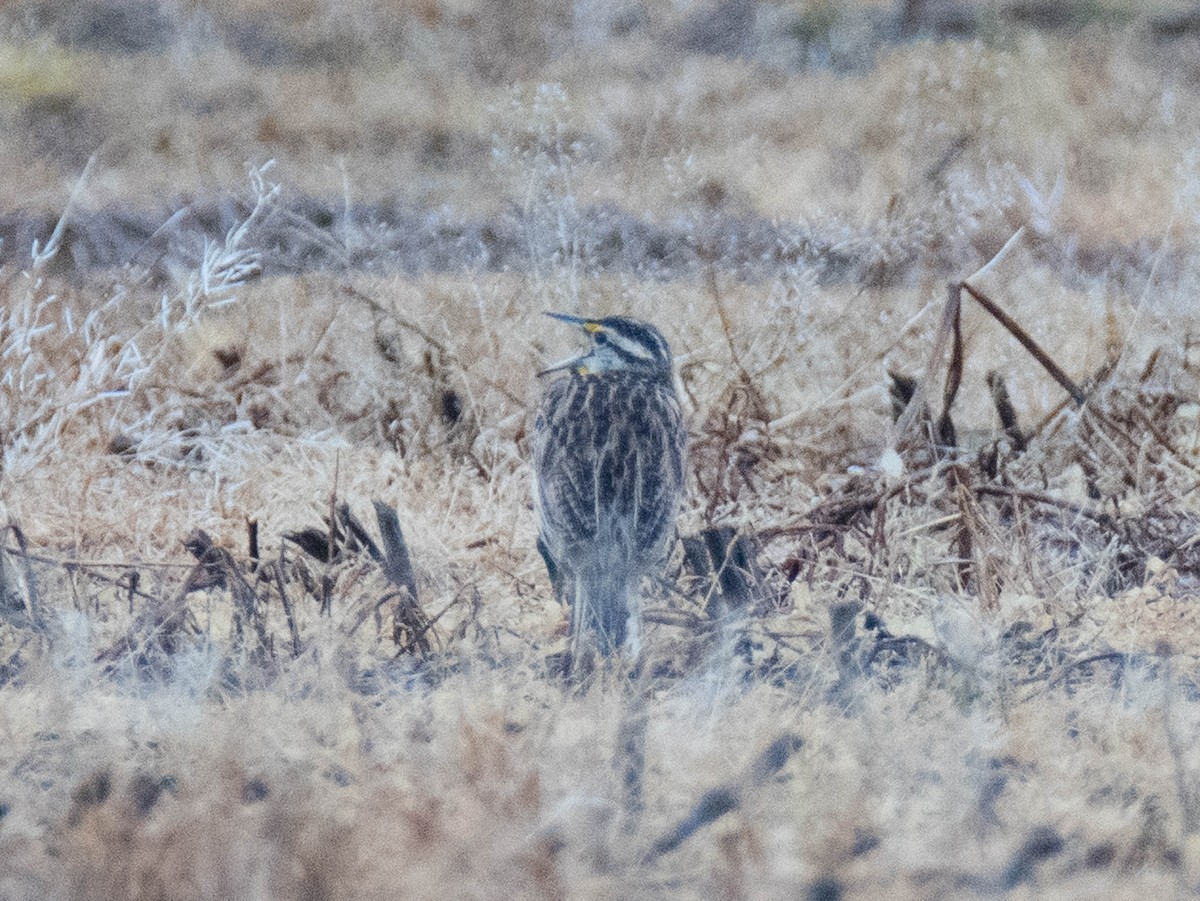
608 448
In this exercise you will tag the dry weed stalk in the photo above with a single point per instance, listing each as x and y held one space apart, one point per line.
1002 522
717 802
75 365
735 437
10 593
343 540
165 622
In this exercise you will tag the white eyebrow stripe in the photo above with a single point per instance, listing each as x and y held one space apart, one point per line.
633 348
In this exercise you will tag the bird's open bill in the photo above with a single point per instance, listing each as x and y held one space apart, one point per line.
570 362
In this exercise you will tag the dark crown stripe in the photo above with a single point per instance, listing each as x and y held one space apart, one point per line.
641 333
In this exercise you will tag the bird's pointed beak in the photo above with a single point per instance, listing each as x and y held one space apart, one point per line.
570 362
573 320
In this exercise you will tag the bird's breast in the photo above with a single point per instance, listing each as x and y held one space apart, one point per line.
609 458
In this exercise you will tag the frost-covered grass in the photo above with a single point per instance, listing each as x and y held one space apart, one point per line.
961 677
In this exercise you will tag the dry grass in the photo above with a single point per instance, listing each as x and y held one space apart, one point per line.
939 672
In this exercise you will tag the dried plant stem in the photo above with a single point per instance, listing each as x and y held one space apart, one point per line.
1189 808
1037 497
288 612
717 802
710 276
1027 342
36 614
945 334
442 348
995 261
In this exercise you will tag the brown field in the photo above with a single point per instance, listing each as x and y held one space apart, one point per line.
302 257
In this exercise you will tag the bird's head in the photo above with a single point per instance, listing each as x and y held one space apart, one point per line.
618 344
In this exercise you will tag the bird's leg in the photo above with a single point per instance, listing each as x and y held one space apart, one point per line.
632 646
558 581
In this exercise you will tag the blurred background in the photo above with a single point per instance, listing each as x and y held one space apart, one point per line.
895 136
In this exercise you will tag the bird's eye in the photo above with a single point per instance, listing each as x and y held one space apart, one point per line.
600 338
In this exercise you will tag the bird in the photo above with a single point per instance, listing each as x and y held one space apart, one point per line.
608 459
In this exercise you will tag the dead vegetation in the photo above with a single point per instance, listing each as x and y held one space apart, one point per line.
272 619
1045 565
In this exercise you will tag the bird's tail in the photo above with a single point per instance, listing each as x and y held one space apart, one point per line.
606 613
